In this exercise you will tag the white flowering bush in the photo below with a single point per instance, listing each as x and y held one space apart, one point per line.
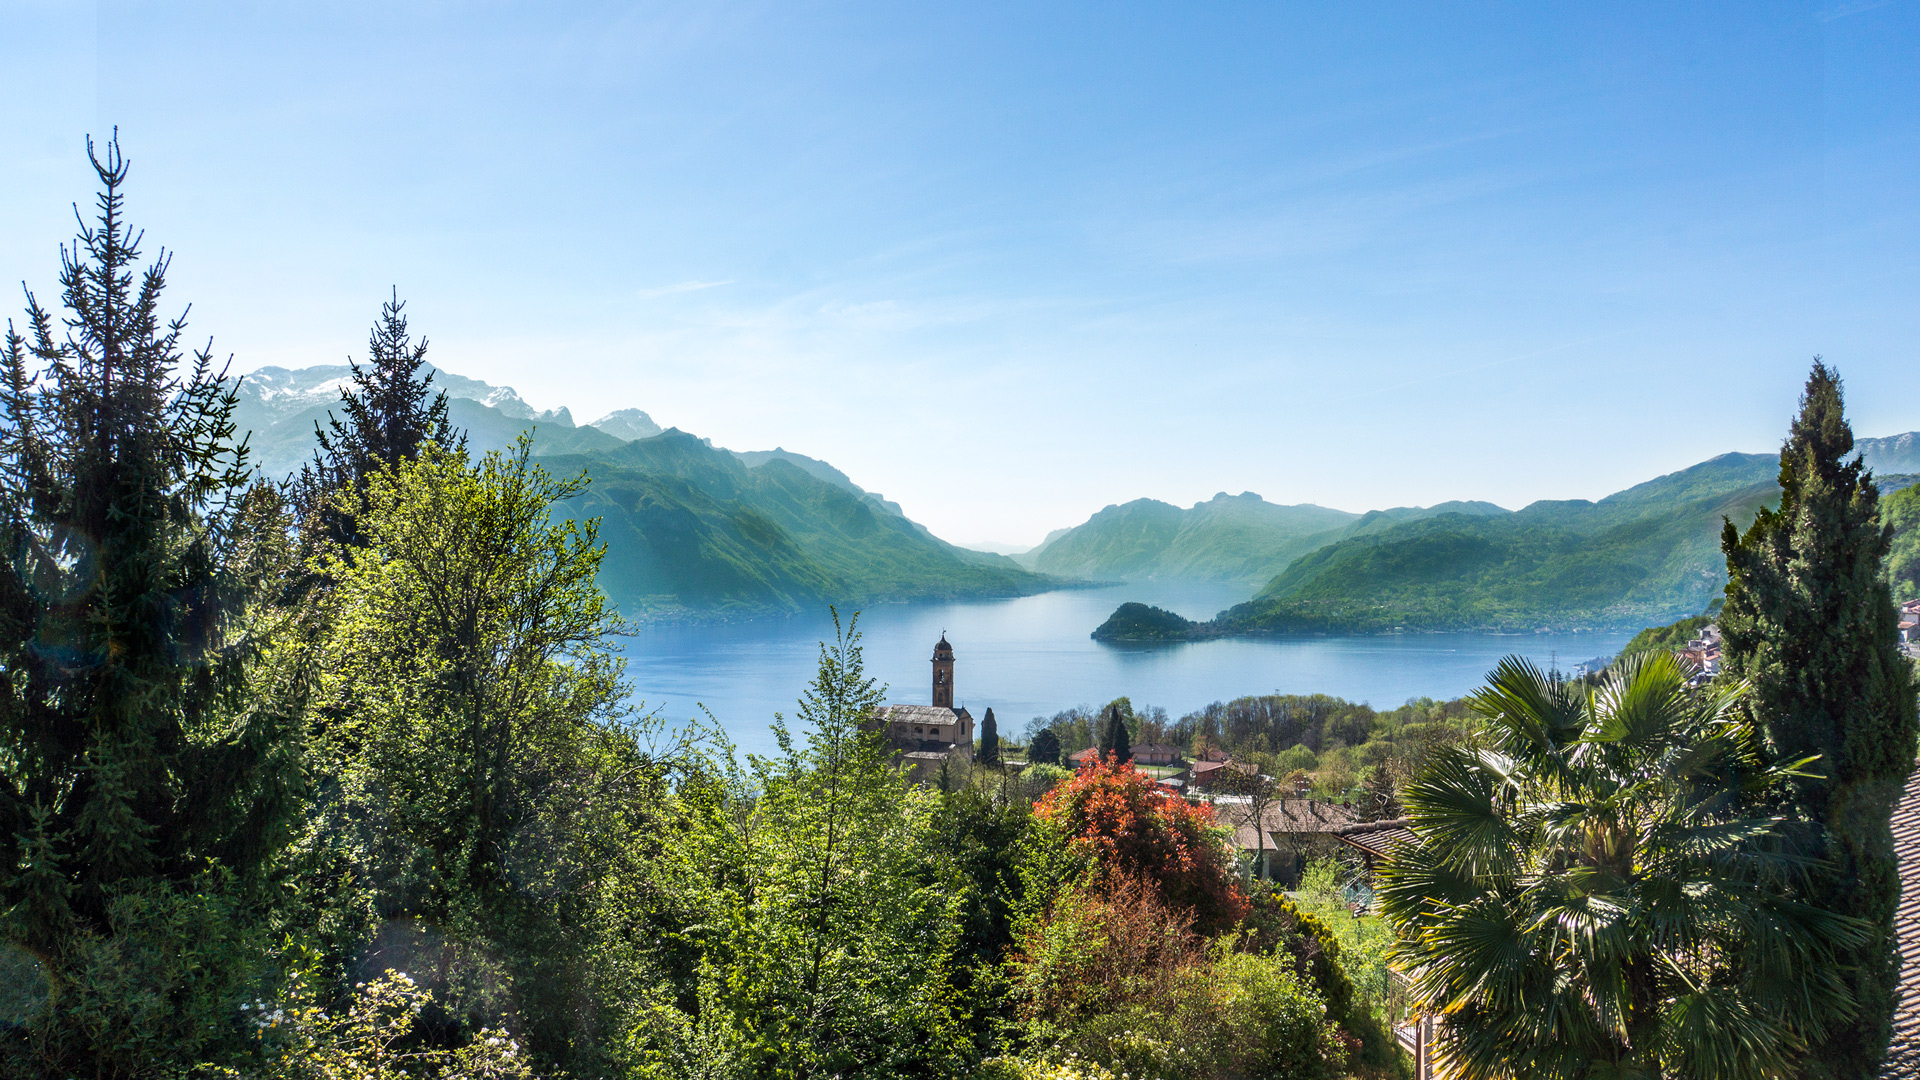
1022 1069
370 1039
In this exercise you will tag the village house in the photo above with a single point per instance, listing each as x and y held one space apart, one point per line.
1290 832
926 737
1207 774
1157 754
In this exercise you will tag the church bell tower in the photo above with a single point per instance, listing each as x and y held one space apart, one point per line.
943 674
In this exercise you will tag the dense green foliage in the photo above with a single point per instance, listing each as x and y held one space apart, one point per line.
1645 555
1240 538
692 528
148 737
1139 622
1044 748
481 783
1338 745
1115 740
1901 513
1667 638
1810 622
1603 889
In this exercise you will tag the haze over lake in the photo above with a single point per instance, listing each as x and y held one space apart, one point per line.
1032 657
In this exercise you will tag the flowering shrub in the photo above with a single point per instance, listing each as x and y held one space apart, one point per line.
371 1040
1131 827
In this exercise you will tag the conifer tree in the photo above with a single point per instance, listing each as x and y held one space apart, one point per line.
1117 742
989 739
388 418
1809 620
1045 749
150 770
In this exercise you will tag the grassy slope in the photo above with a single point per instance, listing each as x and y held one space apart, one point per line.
1645 555
1228 538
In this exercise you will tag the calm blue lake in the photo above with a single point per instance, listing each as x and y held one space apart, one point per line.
1032 657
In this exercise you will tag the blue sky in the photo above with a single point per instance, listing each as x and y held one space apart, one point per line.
1009 263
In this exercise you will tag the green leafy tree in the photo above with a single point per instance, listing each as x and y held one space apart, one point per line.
150 758
1604 889
989 740
1810 622
487 799
389 418
979 840
1901 512
827 948
1045 748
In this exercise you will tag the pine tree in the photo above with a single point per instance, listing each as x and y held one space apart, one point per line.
388 418
1116 742
1809 620
989 739
150 768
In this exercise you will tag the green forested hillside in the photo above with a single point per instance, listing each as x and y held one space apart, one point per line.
1228 538
693 528
1643 556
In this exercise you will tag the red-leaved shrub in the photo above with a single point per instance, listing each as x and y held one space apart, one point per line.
1134 828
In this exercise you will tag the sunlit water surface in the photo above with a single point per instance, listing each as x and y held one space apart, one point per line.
1032 657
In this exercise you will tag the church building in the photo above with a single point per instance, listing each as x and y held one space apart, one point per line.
928 736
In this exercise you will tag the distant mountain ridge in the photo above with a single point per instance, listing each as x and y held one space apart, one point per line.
1643 556
1640 557
692 530
1239 538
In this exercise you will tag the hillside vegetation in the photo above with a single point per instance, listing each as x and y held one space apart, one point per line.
691 529
1902 511
1646 555
1227 538
1643 556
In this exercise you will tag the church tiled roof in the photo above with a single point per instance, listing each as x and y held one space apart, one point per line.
919 714
1903 1056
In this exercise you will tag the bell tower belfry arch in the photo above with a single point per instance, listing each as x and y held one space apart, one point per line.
943 674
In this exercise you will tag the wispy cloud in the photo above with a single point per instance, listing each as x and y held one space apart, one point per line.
1841 11
682 287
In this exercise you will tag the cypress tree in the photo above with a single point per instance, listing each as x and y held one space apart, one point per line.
388 417
1116 741
1810 621
150 769
989 739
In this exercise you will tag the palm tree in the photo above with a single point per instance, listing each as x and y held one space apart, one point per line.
1604 887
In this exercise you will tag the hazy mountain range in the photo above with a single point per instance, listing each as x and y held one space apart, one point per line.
694 529
1640 557
690 528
